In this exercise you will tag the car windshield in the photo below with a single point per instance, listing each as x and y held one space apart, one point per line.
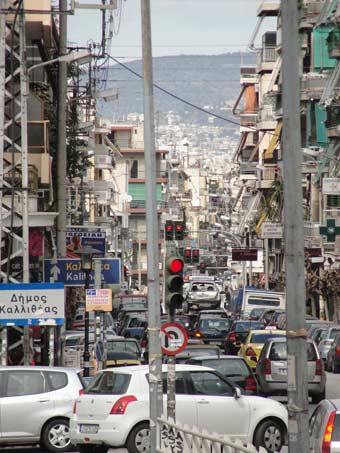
262 337
278 351
216 324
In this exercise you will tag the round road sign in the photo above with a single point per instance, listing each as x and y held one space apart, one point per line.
173 338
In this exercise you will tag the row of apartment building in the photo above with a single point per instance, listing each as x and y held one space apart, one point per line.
259 153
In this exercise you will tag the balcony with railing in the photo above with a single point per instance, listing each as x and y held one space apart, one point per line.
139 207
248 74
313 85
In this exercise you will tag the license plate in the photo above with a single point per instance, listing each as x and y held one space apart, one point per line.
283 370
89 429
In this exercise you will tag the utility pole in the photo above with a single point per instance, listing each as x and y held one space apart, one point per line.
62 115
155 356
298 436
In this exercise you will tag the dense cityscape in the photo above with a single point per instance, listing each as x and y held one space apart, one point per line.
170 233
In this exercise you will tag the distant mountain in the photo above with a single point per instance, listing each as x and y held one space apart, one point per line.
208 81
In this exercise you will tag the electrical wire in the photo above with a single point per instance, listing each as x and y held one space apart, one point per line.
178 98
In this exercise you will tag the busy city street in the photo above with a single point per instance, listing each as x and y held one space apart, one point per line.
170 226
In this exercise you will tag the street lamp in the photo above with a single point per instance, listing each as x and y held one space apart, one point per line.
83 56
86 256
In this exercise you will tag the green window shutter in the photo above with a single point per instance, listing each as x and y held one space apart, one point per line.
321 132
137 192
321 58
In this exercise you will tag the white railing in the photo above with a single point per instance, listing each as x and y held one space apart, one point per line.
177 438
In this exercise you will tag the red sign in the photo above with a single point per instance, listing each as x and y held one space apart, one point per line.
245 254
313 252
35 243
174 338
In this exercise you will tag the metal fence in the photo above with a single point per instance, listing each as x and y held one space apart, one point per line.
177 438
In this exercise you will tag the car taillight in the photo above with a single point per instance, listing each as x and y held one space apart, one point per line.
232 337
250 352
198 334
250 384
327 435
143 344
318 367
337 350
120 406
267 367
81 392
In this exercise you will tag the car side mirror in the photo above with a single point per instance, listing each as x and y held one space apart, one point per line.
237 392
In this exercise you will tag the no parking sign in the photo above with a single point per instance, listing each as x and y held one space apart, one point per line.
173 338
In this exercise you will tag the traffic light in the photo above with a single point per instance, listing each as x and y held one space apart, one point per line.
203 267
195 255
174 283
187 256
169 230
179 231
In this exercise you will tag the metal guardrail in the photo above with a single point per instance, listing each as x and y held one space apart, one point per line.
177 438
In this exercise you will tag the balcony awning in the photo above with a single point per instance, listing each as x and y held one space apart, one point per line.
269 153
240 146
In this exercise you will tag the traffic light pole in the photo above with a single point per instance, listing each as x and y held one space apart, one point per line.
154 319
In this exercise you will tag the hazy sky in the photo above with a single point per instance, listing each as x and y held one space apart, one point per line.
178 26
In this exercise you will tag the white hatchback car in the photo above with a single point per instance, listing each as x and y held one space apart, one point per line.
35 405
114 410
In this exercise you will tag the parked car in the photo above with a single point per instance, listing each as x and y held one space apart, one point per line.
212 330
324 424
238 333
253 344
114 410
325 340
333 356
35 405
232 367
271 369
121 344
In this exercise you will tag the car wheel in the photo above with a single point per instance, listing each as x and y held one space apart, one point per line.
270 435
139 439
55 435
316 399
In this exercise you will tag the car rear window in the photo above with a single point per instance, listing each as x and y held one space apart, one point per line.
336 429
108 383
246 326
228 367
58 380
334 333
215 323
262 337
278 351
122 346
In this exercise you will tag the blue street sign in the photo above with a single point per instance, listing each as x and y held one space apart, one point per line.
32 304
69 271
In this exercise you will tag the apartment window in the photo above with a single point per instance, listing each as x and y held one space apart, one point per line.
333 201
134 169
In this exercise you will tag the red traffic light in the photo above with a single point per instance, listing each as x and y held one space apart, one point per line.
195 252
187 252
176 265
179 227
168 227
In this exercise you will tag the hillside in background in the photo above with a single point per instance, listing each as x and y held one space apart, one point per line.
209 81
